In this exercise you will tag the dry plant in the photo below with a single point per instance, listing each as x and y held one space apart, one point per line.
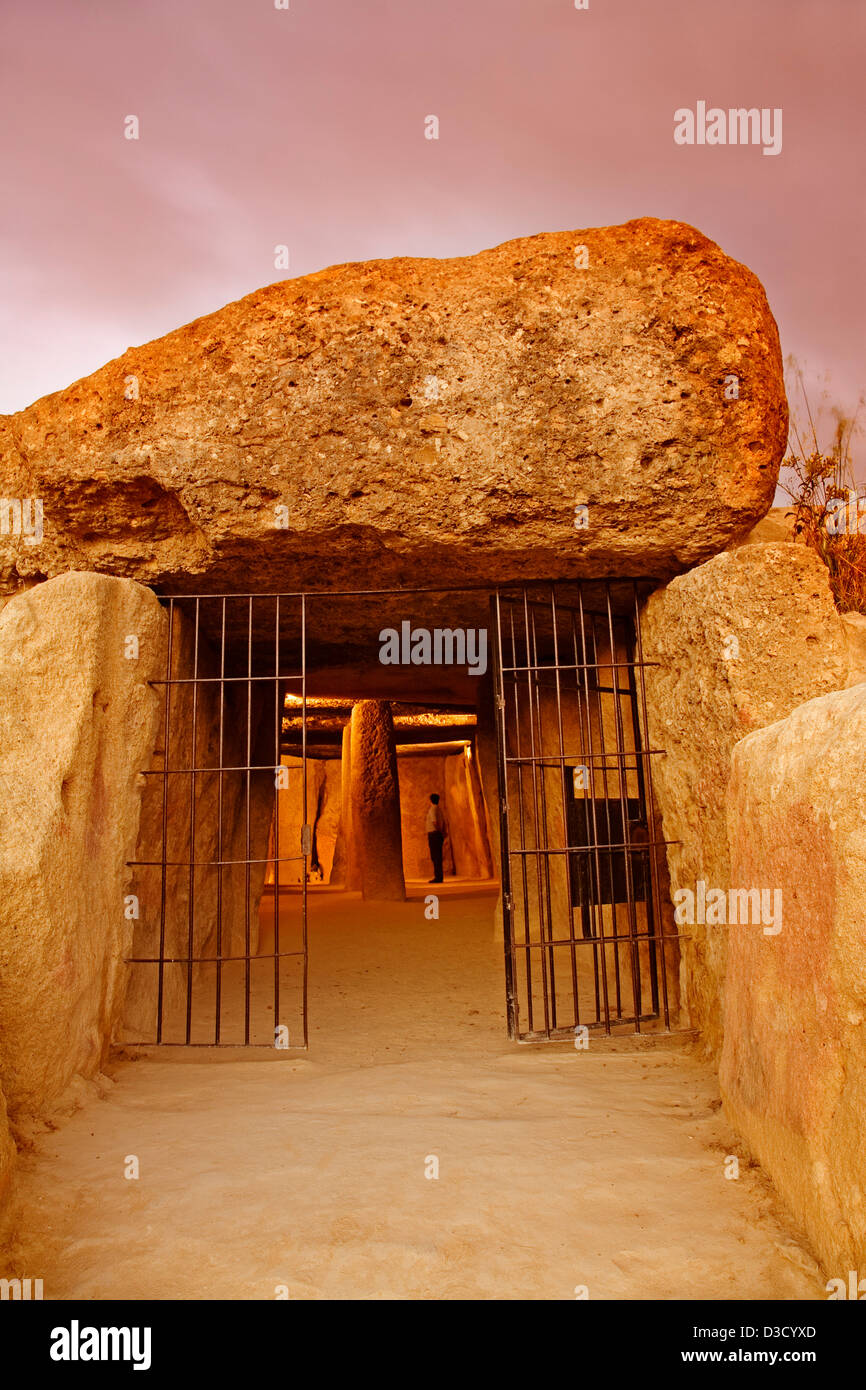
824 493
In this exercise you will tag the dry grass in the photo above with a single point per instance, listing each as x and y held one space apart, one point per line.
824 492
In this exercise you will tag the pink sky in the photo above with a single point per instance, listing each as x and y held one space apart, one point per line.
306 127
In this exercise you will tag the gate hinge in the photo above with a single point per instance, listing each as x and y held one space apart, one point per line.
507 902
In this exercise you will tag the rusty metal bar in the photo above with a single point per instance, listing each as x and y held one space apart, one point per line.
278 715
248 789
193 757
502 809
219 946
564 794
654 874
597 907
166 738
306 965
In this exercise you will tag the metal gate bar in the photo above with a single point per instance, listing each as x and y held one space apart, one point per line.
216 678
587 920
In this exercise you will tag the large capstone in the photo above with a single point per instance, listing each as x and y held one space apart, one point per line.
601 402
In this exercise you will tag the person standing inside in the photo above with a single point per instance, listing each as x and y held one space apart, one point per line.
435 827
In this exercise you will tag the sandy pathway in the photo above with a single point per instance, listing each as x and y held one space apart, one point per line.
557 1168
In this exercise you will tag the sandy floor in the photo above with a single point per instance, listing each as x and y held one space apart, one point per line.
557 1168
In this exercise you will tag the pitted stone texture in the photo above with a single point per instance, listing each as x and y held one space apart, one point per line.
739 641
7 1163
793 1071
375 797
854 628
346 870
423 415
78 722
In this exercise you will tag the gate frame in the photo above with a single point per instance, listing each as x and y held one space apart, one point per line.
656 938
281 683
496 594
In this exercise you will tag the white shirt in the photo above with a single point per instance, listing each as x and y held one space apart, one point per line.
435 820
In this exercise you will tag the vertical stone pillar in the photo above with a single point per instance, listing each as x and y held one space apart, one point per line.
79 719
375 802
734 645
346 870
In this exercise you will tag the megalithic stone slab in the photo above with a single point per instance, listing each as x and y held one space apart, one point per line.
733 646
793 1069
375 797
79 717
586 403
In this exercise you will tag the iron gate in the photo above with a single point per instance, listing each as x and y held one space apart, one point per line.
209 967
584 935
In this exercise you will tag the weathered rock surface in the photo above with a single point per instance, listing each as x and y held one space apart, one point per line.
7 1162
375 797
78 721
740 641
422 416
854 628
777 525
793 1070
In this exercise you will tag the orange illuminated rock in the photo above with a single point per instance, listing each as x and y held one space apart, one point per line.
375 796
793 1073
523 411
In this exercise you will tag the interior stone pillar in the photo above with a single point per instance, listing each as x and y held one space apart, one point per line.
375 801
346 870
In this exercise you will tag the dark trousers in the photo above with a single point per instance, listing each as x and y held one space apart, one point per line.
436 840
